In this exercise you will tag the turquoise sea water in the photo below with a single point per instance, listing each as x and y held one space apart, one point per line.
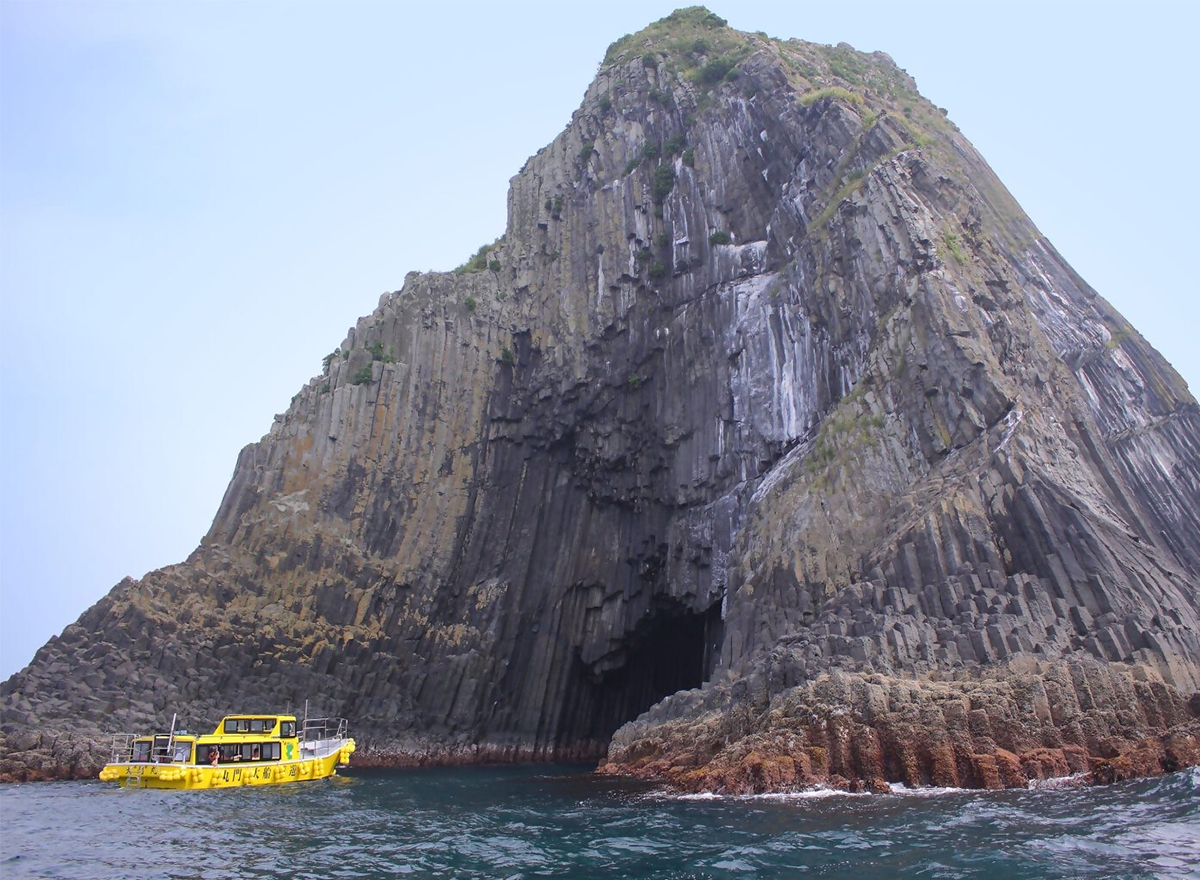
554 821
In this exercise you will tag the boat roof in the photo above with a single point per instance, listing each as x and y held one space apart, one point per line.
242 725
269 722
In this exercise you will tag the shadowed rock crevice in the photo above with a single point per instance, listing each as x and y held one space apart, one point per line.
671 651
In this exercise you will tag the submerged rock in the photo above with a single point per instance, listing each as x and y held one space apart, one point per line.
770 398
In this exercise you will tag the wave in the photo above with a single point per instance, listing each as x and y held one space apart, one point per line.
805 794
1075 780
928 790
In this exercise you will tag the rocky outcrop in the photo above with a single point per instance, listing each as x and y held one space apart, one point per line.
1001 726
768 380
38 757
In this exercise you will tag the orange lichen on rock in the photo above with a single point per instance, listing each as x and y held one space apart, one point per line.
816 743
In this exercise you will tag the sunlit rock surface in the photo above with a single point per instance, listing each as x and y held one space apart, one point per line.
769 390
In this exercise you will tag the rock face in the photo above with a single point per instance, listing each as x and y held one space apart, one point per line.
1001 727
770 397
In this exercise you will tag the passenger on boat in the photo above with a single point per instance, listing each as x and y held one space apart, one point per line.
214 755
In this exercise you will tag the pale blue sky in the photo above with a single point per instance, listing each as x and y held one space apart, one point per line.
197 199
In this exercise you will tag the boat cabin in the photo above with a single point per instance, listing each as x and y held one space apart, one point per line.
162 748
237 738
277 726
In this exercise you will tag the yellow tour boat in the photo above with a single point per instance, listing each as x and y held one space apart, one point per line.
243 750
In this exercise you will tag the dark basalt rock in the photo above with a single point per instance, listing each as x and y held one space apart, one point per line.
771 398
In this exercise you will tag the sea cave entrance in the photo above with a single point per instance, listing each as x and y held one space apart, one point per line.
674 649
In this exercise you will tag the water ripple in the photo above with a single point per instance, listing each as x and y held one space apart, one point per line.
526 823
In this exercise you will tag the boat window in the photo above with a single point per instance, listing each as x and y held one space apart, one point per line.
287 728
162 748
257 725
141 752
183 753
260 751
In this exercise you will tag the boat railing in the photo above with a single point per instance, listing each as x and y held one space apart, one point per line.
122 748
159 749
322 729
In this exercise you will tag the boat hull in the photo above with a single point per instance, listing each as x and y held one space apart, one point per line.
196 776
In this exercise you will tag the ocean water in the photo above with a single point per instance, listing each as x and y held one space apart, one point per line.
555 821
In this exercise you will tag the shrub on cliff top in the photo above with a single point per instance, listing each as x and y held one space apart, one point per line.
477 263
810 98
697 15
479 260
685 25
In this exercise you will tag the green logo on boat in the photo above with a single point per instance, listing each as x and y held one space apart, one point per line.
289 750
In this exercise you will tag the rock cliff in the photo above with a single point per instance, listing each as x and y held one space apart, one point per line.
769 398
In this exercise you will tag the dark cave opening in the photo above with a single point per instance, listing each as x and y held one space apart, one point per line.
675 649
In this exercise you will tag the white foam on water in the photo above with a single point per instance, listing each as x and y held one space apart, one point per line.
926 790
1072 781
735 865
897 788
807 794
